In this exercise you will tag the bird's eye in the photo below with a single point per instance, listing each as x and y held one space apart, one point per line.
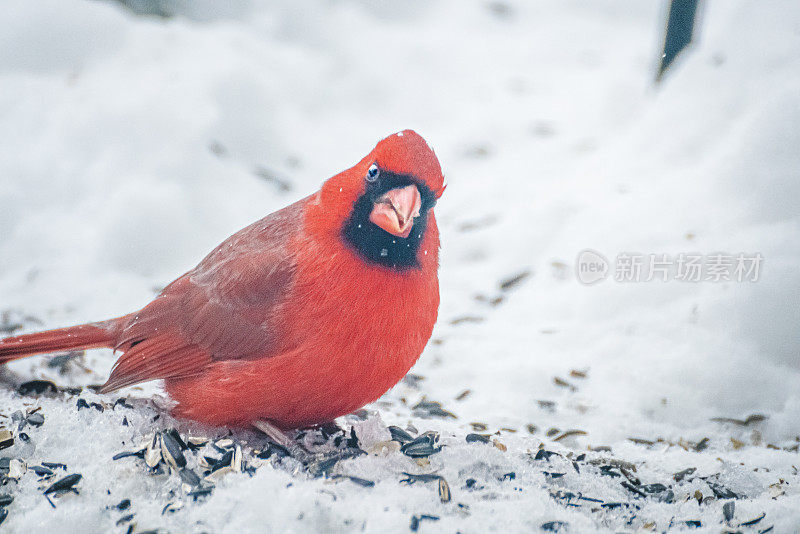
373 173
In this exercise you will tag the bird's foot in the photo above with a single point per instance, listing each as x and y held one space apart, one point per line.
283 440
319 462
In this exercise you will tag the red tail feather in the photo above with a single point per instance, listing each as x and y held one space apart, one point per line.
86 336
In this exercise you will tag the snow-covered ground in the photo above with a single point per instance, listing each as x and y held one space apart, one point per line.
132 145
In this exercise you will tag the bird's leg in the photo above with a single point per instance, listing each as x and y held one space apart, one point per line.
279 437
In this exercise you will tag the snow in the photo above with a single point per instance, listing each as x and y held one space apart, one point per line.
132 145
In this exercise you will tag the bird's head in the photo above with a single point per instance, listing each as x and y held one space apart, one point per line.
385 201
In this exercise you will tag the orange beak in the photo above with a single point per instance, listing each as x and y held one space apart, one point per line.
396 210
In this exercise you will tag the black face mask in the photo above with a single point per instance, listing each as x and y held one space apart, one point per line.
375 244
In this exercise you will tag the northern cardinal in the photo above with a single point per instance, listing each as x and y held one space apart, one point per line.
301 317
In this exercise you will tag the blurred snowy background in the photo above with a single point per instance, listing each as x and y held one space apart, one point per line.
131 144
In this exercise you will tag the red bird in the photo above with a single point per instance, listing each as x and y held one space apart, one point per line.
301 317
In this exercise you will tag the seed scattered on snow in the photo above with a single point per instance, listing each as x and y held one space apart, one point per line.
654 488
65 484
37 387
569 433
751 419
177 438
728 510
225 443
499 445
152 454
610 471
422 477
363 482
543 454
680 475
514 281
200 492
81 404
124 519
322 467
55 465
230 462
189 477
701 445
444 490
236 462
195 443
412 380
217 474
126 454
614 463
737 444
431 409
753 521
170 446
398 434
416 519
172 507
463 395
546 405
6 438
478 438
633 488
122 401
467 319
422 447
560 382
224 461
171 451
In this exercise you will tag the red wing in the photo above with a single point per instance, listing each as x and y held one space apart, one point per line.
223 309
158 357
